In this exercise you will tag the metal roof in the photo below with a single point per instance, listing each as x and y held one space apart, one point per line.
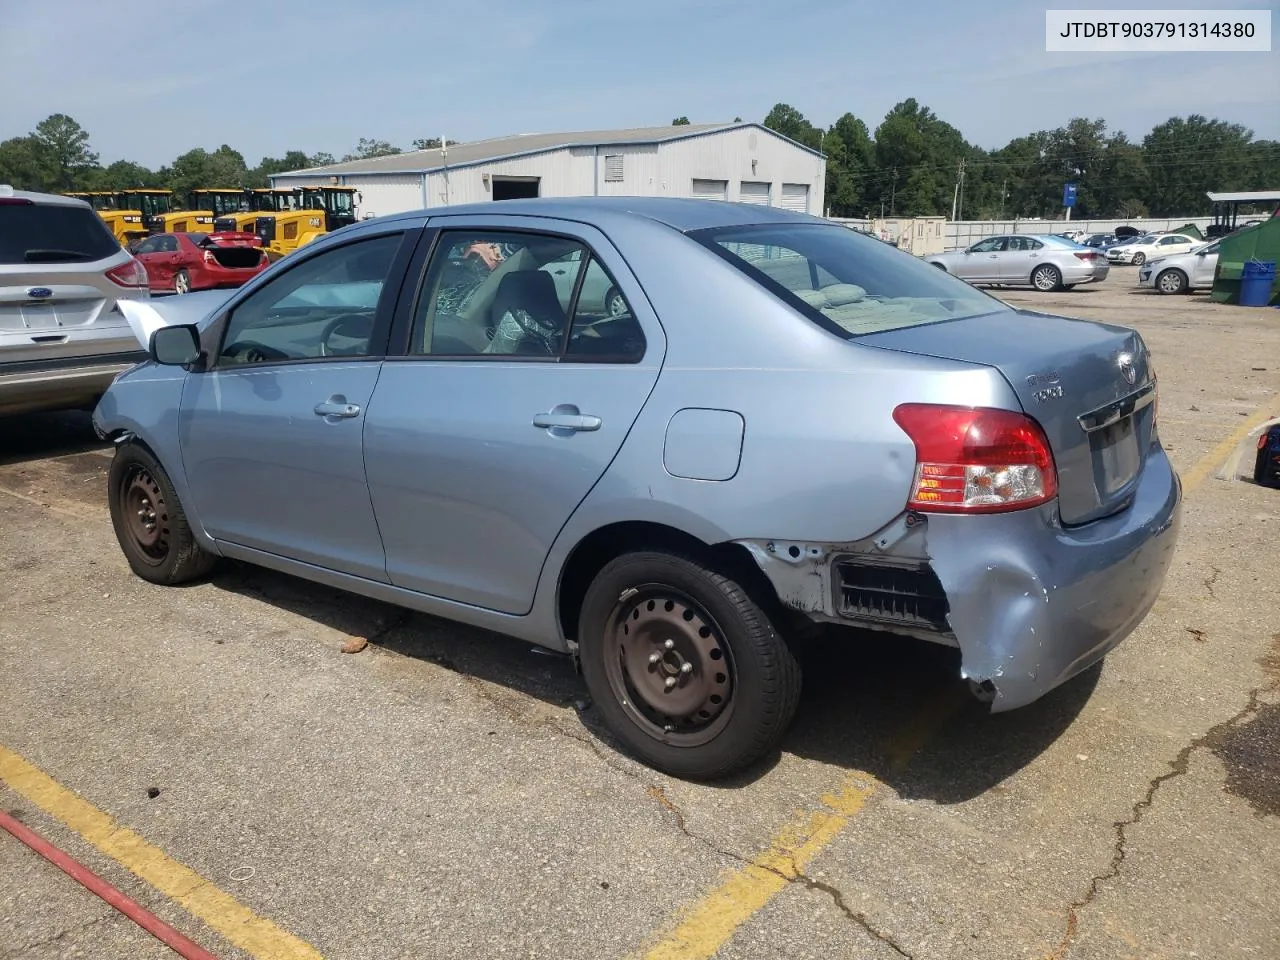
1249 196
520 145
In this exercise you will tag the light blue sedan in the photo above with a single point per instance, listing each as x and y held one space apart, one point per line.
776 423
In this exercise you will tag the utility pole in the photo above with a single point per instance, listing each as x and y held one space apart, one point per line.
961 211
893 194
1004 184
957 196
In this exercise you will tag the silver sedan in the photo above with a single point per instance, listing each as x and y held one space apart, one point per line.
783 425
1044 262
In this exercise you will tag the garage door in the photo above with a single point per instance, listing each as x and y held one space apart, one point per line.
753 192
795 196
711 189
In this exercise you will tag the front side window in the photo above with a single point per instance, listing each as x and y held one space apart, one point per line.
323 307
848 284
990 245
506 294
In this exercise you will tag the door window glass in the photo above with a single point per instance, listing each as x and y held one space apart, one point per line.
604 328
166 244
990 245
323 307
490 293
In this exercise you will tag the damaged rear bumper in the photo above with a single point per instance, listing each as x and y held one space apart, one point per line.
1030 603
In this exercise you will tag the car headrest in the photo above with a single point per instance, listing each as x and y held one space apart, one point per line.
532 291
839 294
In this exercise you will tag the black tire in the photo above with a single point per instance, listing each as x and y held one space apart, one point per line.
1260 467
1046 278
181 282
615 305
1068 286
1171 281
1139 259
159 546
743 681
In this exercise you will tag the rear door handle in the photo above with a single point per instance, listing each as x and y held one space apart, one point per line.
337 408
562 422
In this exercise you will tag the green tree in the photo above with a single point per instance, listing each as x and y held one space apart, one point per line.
850 164
790 122
368 148
122 175
1189 157
430 143
223 167
260 175
680 122
20 164
917 156
62 149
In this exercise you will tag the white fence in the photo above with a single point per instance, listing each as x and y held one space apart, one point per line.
961 233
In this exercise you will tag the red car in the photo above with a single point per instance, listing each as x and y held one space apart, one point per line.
184 262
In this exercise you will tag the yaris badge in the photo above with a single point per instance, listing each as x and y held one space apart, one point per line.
1127 369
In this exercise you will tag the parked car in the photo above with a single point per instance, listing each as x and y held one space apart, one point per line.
1100 241
1076 236
483 446
1045 262
1147 247
183 262
62 338
1182 272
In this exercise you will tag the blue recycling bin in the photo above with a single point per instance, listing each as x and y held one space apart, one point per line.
1256 280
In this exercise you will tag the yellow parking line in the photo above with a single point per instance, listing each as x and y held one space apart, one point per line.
257 936
1206 464
705 928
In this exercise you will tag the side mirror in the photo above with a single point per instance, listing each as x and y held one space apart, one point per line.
176 346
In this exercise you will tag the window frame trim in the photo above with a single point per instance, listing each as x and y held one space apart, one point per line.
401 349
383 312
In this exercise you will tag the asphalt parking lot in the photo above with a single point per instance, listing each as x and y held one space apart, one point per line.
212 752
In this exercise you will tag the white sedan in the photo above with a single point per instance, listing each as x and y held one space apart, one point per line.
1181 272
1149 247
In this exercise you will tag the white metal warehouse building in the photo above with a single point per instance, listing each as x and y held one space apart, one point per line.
743 162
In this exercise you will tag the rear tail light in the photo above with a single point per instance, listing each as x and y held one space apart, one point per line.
210 259
131 274
1087 256
976 459
16 202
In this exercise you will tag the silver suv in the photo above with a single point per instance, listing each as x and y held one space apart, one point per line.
62 337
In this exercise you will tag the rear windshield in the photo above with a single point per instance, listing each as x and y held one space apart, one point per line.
53 233
847 283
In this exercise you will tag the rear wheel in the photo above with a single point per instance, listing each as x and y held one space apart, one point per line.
1046 277
1171 281
687 670
182 282
149 521
615 304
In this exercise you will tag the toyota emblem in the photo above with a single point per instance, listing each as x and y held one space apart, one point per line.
1127 369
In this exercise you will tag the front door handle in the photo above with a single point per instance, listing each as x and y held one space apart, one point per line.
337 408
565 419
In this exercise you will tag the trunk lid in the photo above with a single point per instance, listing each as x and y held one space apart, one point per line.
1089 385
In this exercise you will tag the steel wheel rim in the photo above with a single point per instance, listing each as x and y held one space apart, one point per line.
1045 279
1169 282
1139 259
669 666
146 515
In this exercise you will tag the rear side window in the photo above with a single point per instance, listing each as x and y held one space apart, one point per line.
53 233
846 283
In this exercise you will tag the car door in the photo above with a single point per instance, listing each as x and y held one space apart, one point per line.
981 261
145 253
490 430
164 261
271 433
1016 261
1203 266
1174 244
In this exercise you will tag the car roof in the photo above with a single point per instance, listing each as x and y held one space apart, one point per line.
53 199
683 214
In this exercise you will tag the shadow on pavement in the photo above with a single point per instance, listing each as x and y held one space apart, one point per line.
892 707
39 435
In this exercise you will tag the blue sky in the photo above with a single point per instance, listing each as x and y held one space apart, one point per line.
402 69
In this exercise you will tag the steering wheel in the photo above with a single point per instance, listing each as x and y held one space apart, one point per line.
353 326
253 352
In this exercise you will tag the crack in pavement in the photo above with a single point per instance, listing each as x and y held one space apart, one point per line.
1211 580
1178 767
79 928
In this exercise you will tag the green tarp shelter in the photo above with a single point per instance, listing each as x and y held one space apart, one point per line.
1261 242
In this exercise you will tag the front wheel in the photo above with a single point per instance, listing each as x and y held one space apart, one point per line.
1046 278
687 670
1171 281
1139 259
149 521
